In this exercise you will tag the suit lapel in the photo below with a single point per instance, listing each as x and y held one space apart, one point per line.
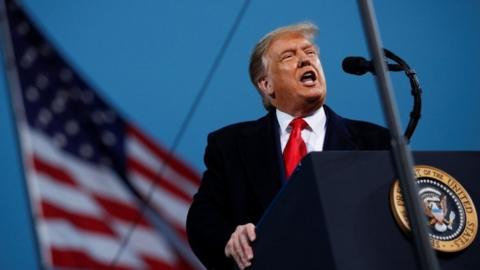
337 136
260 150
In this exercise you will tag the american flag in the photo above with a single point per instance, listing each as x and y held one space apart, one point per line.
88 169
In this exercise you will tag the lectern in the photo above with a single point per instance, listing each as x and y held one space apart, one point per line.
335 213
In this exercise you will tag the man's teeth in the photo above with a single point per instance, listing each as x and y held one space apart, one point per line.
308 77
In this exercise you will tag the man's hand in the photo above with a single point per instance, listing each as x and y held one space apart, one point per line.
238 246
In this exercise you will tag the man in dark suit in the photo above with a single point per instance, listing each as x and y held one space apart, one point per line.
247 163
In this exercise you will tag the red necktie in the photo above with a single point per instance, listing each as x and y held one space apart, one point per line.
295 149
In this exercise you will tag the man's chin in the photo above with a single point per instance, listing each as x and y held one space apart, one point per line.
316 89
316 97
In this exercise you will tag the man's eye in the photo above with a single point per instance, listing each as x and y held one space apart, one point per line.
311 52
286 56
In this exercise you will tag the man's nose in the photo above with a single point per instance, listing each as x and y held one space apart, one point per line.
304 61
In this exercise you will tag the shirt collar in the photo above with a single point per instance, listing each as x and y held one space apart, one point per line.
315 121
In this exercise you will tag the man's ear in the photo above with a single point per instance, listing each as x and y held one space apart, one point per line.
266 87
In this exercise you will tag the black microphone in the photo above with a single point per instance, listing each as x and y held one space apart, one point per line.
358 66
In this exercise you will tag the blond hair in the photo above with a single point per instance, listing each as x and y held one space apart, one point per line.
257 67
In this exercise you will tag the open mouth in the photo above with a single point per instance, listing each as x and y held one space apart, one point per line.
308 77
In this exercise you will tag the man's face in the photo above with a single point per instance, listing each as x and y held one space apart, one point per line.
294 76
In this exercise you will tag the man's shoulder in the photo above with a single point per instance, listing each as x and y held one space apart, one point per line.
353 125
364 135
364 127
368 136
230 137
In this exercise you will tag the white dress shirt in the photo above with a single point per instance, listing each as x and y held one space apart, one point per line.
313 135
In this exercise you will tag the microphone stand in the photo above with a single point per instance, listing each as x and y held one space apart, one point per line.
416 93
400 151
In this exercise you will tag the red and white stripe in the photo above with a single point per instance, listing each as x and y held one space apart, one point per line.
83 210
173 183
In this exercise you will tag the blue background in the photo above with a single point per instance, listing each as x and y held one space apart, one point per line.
150 58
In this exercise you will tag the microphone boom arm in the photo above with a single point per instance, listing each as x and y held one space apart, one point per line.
416 92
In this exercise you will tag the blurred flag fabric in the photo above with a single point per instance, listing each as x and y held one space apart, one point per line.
88 169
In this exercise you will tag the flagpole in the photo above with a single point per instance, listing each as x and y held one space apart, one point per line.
19 118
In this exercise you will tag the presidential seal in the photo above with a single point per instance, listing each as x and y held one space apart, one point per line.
448 208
